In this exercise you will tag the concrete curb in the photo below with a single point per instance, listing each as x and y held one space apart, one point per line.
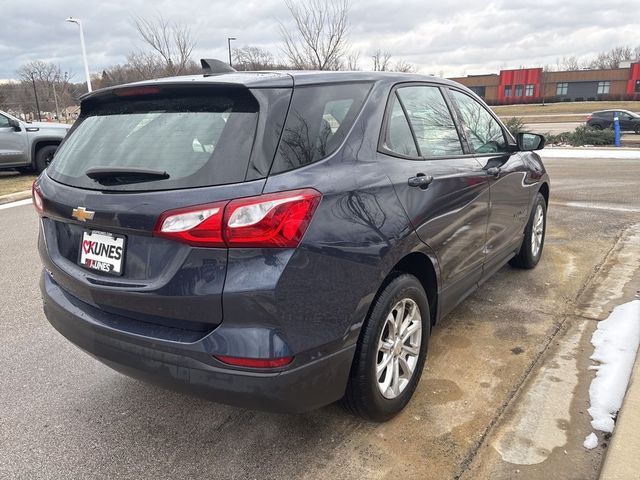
14 197
622 461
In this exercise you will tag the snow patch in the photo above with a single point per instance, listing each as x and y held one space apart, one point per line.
589 153
591 441
616 342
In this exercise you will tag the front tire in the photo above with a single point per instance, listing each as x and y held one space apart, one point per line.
44 157
391 351
533 241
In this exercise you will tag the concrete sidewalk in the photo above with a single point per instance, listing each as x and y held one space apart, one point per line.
622 461
14 197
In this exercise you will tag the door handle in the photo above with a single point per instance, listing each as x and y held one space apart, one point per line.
420 180
493 171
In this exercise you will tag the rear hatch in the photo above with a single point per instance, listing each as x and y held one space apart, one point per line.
134 154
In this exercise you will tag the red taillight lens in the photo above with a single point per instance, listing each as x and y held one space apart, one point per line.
200 225
255 362
589 117
38 203
271 220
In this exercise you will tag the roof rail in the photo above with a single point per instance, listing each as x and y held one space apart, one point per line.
212 66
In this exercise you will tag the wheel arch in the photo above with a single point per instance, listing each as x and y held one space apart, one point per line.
421 266
544 191
40 143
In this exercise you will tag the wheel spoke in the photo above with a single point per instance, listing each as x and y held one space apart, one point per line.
407 371
382 366
411 350
413 328
395 381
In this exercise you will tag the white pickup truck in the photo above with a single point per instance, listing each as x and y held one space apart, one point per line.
28 146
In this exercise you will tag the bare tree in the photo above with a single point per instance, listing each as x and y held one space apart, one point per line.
353 60
613 58
318 40
568 63
52 86
172 42
254 58
404 67
381 61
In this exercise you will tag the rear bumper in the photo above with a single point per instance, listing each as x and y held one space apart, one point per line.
190 367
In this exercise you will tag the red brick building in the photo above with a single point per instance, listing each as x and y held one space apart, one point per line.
533 85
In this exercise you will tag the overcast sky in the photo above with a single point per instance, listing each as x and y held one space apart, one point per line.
448 37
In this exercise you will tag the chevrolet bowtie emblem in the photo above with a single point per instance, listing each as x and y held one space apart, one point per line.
82 214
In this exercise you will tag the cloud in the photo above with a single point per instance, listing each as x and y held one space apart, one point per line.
459 37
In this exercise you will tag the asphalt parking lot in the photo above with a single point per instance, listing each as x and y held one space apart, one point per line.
484 408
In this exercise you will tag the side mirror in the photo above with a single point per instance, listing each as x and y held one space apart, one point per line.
15 124
528 142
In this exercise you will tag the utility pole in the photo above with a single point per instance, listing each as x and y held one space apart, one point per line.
229 45
35 94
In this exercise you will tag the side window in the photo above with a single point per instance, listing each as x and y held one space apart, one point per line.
4 121
483 131
432 124
319 118
399 138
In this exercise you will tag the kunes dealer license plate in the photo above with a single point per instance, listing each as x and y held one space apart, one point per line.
103 252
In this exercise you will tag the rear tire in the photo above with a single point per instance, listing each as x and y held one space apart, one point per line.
533 241
595 126
44 157
385 373
637 130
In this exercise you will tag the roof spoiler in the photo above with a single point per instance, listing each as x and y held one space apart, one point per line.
212 66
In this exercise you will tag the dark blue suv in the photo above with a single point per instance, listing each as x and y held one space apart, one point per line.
281 240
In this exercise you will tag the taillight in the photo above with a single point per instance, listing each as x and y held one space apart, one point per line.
200 226
589 117
38 203
255 362
270 220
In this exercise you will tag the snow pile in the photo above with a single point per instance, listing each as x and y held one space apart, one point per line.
617 153
616 342
591 441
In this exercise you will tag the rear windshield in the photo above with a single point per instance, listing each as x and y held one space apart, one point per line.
319 119
197 140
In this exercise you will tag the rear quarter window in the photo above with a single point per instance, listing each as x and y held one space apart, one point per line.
319 119
198 139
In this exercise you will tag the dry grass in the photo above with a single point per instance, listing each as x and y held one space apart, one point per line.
569 108
12 182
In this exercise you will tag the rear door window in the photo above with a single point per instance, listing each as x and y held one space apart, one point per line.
202 139
319 119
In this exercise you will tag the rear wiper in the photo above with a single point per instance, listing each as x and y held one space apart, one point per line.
119 175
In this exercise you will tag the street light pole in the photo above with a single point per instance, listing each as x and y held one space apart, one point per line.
84 51
35 94
229 45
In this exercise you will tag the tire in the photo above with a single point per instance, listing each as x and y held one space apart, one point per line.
44 157
530 253
364 396
637 130
596 126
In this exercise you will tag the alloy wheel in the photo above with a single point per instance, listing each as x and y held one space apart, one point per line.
399 348
537 231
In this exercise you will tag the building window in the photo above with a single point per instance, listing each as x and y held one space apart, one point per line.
603 87
480 91
507 90
637 89
562 88
518 90
528 91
